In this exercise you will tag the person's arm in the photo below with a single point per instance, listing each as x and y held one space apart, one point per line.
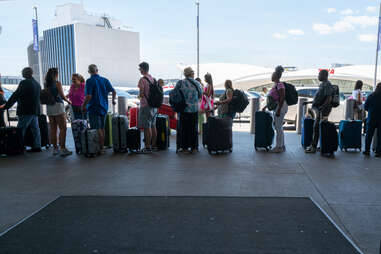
88 96
61 93
14 97
141 88
282 96
70 94
229 97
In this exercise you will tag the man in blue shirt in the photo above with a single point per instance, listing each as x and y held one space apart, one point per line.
96 102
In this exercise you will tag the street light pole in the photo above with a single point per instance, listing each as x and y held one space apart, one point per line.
39 50
198 39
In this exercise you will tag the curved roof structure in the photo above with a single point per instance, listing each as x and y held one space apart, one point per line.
247 76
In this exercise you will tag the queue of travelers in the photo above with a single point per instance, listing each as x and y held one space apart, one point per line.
89 100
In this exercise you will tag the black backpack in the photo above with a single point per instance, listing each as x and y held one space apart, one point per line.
239 102
177 99
156 95
335 96
291 94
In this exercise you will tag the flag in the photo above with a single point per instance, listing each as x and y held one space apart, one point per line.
36 45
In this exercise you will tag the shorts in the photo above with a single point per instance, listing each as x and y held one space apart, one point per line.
97 122
147 117
56 109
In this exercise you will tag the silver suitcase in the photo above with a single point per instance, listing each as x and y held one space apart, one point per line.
90 143
119 133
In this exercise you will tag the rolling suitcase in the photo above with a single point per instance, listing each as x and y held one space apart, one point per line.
11 142
108 130
219 136
350 135
134 140
119 133
77 127
264 132
204 134
186 132
134 117
44 133
374 142
162 127
329 140
307 132
90 143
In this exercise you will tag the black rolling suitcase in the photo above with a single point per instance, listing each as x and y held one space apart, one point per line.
264 132
219 134
11 141
133 140
162 127
204 134
187 132
44 133
329 138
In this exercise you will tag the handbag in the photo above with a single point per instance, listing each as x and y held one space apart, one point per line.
271 103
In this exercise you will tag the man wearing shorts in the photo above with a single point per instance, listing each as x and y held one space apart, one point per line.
147 114
97 90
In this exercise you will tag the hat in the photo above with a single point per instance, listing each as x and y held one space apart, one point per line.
188 71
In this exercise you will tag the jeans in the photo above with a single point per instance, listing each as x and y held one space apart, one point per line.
324 113
278 125
31 121
372 126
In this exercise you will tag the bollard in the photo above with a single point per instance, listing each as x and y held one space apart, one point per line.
349 113
302 109
254 104
122 105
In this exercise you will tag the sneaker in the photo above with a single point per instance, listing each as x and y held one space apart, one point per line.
146 151
66 152
276 150
56 151
366 153
311 149
35 150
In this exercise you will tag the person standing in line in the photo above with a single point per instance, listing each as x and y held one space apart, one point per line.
201 113
27 97
322 106
207 104
160 82
147 114
77 95
225 100
97 90
56 113
359 98
373 106
2 101
278 93
188 120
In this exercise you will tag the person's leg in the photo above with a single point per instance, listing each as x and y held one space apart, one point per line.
53 133
35 128
369 136
23 123
61 122
282 115
378 145
153 129
195 131
101 131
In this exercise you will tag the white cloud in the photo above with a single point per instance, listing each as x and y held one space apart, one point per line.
345 24
367 37
347 12
371 8
296 32
279 36
331 10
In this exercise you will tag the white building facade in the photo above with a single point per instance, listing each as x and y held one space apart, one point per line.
78 40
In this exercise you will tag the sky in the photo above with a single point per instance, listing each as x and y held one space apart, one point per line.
306 34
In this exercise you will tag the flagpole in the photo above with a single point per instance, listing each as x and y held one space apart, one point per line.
39 51
378 49
198 39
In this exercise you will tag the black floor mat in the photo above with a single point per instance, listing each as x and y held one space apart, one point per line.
177 225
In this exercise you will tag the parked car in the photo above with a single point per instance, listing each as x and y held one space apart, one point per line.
336 115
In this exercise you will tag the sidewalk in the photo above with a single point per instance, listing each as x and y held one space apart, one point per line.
348 187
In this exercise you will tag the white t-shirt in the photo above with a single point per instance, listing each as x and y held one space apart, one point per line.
355 95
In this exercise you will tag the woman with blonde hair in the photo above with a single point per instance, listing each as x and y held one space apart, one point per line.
207 104
225 100
77 95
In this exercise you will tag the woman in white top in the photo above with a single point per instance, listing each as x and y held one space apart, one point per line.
359 98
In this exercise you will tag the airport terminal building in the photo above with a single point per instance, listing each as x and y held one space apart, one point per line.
78 39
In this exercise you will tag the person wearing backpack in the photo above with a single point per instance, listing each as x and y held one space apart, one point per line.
226 98
2 101
147 113
373 106
278 93
187 128
322 104
27 96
